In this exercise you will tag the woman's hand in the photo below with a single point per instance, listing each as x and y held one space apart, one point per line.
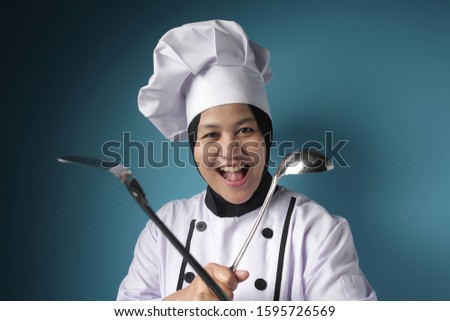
226 279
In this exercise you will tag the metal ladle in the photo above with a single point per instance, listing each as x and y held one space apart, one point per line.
297 162
125 175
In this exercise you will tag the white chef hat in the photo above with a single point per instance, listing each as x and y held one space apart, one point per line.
202 65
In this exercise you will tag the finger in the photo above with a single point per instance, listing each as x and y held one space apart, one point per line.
201 291
224 276
241 275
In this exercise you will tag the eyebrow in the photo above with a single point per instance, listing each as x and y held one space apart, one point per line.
238 123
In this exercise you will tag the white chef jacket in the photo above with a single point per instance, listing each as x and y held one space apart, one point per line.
299 252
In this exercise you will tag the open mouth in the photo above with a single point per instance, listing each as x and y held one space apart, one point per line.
233 173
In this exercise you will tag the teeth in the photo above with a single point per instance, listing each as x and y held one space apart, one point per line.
231 169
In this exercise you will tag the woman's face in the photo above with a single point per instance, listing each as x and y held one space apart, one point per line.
230 151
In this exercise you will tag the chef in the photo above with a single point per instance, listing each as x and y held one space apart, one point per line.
208 87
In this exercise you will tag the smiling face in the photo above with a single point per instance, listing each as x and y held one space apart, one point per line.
230 151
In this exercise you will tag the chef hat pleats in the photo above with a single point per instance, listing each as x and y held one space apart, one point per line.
201 65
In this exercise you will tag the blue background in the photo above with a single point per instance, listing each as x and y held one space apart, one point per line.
376 73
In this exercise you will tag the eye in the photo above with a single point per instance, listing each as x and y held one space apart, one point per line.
210 135
245 130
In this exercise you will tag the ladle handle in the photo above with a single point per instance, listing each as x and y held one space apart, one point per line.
137 192
262 210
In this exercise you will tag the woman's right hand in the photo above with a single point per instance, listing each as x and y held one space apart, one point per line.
198 290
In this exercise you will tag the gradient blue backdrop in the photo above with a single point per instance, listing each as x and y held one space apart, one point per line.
376 73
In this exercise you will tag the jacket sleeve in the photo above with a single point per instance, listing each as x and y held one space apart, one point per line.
142 280
334 272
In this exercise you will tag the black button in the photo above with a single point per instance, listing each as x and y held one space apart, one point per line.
267 233
189 277
201 226
260 284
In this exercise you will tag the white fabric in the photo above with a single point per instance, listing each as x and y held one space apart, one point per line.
320 260
202 65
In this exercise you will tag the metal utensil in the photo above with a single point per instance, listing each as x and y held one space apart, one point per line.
125 175
297 162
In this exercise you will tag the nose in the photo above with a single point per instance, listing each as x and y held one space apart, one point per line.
229 148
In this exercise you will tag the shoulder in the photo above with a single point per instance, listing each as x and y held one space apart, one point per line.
179 204
309 213
182 209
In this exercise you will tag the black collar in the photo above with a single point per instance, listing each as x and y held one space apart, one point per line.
222 208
